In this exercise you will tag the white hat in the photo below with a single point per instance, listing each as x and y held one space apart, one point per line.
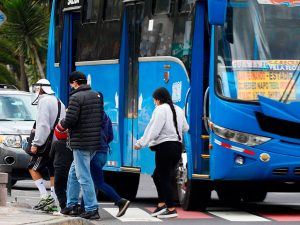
45 85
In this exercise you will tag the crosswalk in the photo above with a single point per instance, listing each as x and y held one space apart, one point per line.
135 214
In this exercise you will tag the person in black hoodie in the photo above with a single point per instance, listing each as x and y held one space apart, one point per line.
62 158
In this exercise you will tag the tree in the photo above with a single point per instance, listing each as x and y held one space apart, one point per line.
27 28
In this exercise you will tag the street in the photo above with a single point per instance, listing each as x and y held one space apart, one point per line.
283 208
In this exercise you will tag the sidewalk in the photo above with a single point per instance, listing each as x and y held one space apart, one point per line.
17 215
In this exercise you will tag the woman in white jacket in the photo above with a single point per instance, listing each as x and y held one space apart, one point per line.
163 134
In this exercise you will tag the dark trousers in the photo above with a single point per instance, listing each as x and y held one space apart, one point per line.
167 156
63 158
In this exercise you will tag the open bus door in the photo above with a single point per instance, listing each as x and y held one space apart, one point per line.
133 15
68 52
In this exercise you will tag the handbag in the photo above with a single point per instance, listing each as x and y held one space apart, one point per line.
45 148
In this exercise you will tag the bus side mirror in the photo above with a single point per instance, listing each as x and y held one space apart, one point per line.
217 11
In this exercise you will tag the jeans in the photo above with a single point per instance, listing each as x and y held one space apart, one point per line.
97 164
80 176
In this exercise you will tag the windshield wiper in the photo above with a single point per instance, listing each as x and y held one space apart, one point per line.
287 92
5 120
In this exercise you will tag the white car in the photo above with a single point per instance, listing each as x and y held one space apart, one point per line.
17 116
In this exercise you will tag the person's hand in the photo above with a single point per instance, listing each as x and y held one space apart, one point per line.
60 127
33 149
137 147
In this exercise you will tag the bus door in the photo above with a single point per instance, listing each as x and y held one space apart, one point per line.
68 51
134 13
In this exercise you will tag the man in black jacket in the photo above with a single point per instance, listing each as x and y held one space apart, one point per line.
83 119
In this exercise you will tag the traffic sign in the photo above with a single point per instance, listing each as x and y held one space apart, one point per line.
2 18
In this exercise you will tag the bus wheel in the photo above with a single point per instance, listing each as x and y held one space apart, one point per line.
192 194
254 196
125 184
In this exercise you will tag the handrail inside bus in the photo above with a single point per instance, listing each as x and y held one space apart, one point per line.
165 58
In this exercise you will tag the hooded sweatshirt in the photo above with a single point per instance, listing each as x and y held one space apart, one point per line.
46 115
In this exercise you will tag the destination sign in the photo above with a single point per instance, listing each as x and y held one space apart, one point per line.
270 84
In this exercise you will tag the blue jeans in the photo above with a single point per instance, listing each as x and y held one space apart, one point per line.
80 177
97 164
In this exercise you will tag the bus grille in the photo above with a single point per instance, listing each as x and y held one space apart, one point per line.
280 171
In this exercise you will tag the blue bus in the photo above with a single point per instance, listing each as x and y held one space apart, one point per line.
232 65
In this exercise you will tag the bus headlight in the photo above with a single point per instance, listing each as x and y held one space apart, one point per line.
238 137
14 141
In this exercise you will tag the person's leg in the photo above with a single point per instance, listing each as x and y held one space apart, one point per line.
60 184
97 164
73 187
82 161
161 206
171 155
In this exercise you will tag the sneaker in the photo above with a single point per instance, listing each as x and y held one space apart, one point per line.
51 208
75 210
58 214
44 202
168 214
159 210
123 206
91 215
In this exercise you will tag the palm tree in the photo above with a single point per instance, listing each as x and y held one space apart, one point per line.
7 57
26 27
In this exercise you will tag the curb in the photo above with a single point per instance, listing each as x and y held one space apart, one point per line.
65 221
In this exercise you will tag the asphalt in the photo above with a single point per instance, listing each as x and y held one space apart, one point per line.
14 214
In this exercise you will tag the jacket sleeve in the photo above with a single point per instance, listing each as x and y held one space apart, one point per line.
153 128
72 113
109 131
43 128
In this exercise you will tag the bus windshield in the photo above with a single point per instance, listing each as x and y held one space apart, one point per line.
258 50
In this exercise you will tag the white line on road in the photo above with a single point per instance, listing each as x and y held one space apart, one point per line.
238 216
133 215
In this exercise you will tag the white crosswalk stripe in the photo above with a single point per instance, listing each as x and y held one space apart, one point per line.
133 215
238 216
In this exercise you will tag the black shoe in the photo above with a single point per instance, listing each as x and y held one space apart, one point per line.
72 210
168 214
91 215
123 206
159 210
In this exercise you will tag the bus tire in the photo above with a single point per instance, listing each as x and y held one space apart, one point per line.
125 184
192 194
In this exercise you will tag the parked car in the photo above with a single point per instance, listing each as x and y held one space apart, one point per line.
17 116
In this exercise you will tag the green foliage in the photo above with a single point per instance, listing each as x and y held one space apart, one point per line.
24 33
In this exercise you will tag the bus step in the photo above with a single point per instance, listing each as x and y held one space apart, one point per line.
200 176
205 136
205 156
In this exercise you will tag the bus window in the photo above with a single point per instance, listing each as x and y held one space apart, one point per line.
58 29
182 39
90 11
185 5
112 10
163 6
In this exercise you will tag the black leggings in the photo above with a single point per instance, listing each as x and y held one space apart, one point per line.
167 156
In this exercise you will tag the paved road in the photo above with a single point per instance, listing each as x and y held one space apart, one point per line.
283 208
